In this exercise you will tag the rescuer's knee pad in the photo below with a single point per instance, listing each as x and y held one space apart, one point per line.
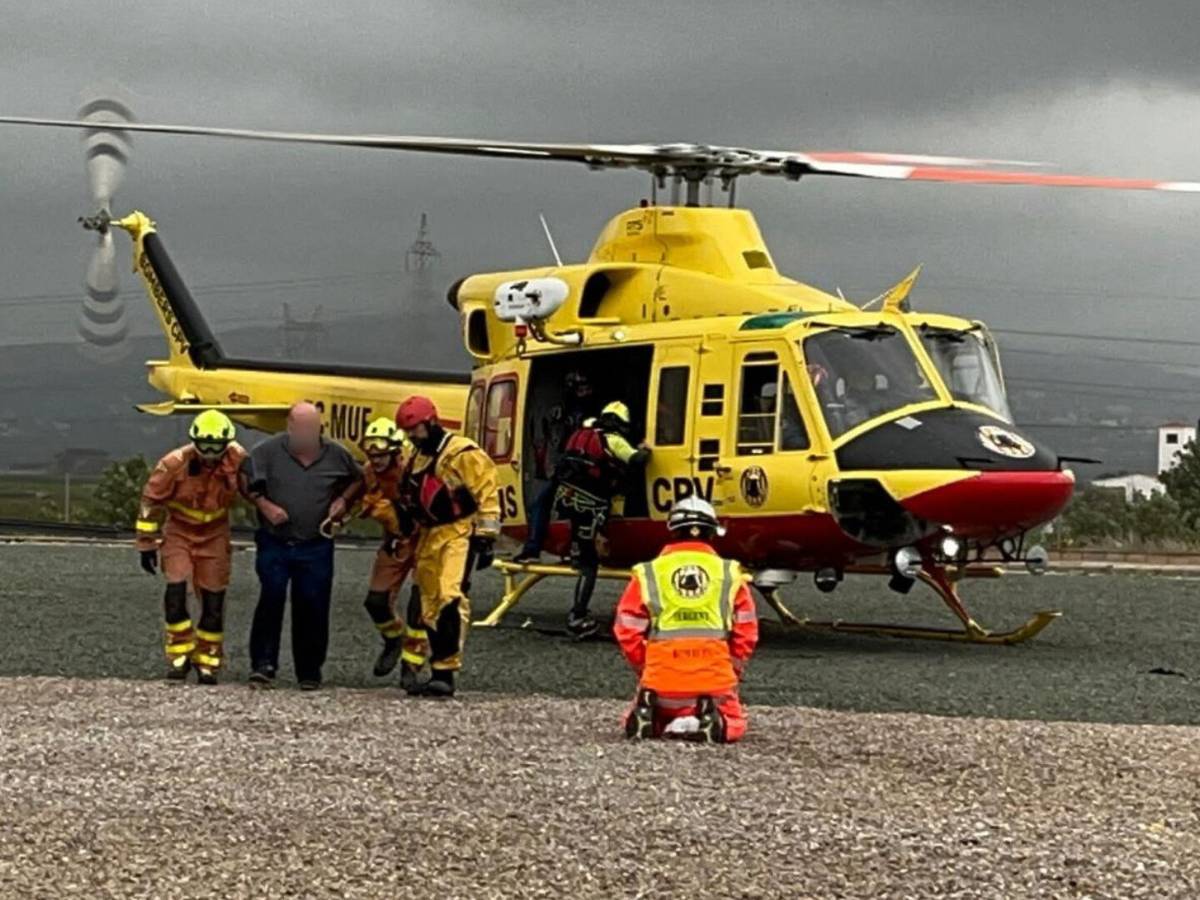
412 615
175 602
212 610
378 607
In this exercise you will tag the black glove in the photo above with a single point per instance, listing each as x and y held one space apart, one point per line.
404 518
390 543
150 561
485 552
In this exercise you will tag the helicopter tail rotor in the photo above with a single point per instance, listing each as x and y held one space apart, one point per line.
102 321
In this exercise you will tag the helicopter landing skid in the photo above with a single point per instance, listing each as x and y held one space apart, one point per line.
520 577
945 587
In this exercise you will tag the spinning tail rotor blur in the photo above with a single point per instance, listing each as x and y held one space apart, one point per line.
102 321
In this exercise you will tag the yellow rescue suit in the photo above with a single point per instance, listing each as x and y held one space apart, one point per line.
452 496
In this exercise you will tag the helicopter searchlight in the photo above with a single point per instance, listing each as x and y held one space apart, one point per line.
528 304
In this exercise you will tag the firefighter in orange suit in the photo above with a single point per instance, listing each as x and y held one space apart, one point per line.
687 625
192 488
388 454
449 498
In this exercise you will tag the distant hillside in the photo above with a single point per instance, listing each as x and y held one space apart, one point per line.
54 398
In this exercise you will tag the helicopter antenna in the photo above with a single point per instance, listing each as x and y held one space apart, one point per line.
550 239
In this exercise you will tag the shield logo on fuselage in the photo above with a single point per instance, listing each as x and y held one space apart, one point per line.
754 486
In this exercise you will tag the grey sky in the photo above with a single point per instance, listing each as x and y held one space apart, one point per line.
1109 88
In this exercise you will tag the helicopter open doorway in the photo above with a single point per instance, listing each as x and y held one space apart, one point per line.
553 402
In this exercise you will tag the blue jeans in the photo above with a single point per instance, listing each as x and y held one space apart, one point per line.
308 567
540 513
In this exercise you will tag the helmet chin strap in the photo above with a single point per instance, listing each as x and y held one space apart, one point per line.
432 439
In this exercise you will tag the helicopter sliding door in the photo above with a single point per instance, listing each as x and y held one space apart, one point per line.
673 397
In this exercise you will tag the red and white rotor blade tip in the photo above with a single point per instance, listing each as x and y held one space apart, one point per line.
915 159
980 175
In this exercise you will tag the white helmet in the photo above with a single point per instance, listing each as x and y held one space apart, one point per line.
694 511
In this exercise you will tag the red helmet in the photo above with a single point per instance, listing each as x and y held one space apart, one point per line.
415 410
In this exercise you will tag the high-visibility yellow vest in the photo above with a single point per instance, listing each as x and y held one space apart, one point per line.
689 594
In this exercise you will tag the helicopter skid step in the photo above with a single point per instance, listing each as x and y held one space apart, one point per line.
519 578
1033 626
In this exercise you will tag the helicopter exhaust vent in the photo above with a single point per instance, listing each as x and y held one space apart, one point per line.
102 320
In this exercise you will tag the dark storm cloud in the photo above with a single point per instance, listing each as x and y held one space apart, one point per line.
1105 87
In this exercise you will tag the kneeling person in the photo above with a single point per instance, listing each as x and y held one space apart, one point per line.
388 455
686 623
192 488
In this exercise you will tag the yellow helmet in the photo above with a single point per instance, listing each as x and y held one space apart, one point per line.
382 435
618 410
212 427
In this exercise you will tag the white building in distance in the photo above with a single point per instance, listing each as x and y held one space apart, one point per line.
1172 438
1132 485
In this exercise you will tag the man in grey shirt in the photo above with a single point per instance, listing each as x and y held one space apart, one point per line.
298 480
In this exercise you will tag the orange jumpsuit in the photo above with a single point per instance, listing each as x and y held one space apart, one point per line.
390 568
193 544
687 625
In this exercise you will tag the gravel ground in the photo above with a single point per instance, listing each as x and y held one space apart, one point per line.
88 612
116 788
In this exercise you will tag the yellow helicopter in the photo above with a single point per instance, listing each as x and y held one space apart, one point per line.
831 438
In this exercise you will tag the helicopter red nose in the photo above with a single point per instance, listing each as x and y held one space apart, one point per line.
992 504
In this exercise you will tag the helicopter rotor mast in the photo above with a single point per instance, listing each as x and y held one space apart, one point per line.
688 164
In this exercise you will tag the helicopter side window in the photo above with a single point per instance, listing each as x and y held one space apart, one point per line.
757 409
474 411
792 433
498 422
670 417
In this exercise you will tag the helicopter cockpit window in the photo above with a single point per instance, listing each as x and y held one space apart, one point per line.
964 361
862 373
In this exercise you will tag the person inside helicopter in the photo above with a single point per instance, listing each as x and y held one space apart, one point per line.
862 374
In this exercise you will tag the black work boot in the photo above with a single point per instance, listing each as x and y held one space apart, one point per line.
389 656
581 625
712 725
440 685
640 724
206 675
412 679
178 668
527 555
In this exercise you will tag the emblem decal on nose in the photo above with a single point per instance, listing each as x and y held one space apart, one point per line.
1004 442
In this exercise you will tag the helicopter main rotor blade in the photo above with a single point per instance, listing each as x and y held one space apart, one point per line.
955 175
690 161
598 154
